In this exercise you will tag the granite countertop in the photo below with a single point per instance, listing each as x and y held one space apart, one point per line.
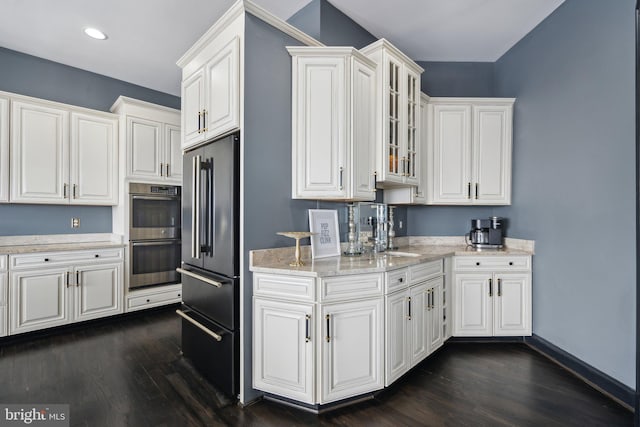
410 251
10 245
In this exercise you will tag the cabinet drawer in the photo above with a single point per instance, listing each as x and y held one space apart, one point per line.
396 280
44 259
351 286
283 286
421 272
492 263
153 300
3 263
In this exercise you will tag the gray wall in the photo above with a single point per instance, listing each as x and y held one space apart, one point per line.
40 78
457 78
323 21
574 177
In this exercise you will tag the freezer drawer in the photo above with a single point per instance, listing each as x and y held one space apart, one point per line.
213 350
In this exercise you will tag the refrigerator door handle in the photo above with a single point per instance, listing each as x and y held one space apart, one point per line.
199 277
199 325
195 208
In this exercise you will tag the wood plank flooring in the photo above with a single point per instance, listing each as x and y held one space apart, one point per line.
129 372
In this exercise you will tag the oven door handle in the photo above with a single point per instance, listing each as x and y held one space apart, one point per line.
199 325
199 277
163 198
157 243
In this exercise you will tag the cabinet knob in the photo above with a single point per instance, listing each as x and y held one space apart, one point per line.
46 259
477 263
97 255
148 300
179 295
401 280
510 262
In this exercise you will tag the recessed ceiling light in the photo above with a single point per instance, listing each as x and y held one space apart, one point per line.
95 33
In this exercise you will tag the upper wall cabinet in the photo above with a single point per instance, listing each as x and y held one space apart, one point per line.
398 131
152 134
62 155
4 149
211 94
469 151
334 121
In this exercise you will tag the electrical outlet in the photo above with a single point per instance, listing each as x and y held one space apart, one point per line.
75 222
400 225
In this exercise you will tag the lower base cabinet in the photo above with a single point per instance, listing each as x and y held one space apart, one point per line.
54 289
4 292
154 296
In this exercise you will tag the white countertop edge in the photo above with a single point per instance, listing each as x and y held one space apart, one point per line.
52 239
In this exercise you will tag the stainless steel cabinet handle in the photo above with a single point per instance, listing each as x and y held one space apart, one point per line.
195 208
199 121
328 318
199 277
199 325
409 303
499 287
341 173
490 288
64 190
307 320
204 121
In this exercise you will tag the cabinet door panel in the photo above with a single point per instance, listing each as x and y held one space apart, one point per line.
394 116
473 309
319 151
4 149
420 323
397 357
364 131
39 144
192 106
451 153
144 145
173 154
98 291
38 299
412 135
283 361
352 361
94 168
512 305
223 97
435 315
492 154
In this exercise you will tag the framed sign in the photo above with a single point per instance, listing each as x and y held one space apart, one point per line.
326 242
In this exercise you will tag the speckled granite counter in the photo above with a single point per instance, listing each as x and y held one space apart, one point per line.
10 245
411 250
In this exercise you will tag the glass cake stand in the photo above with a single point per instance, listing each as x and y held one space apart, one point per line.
296 235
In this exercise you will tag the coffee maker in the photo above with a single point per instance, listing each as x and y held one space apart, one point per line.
486 233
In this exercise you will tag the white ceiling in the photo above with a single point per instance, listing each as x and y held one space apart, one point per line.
146 37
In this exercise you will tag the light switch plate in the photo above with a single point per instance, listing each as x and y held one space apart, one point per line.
75 222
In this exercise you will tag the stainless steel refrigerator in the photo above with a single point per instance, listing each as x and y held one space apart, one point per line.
211 262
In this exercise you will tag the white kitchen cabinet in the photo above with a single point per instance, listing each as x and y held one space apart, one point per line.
492 296
4 295
334 121
62 155
413 324
469 151
48 167
211 94
4 149
318 346
352 357
57 288
283 348
152 134
414 195
398 151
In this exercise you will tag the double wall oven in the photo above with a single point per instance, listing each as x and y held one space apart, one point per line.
155 223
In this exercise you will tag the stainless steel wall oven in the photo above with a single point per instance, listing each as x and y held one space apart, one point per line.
155 223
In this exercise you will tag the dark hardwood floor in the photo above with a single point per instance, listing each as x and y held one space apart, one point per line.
129 372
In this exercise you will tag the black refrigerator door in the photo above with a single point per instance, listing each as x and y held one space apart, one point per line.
191 220
221 180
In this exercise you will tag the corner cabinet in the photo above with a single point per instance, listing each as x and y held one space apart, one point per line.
211 94
4 149
469 151
333 124
397 109
152 141
57 288
318 348
62 155
492 296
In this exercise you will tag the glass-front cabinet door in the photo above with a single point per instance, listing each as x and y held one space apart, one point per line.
396 158
411 171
